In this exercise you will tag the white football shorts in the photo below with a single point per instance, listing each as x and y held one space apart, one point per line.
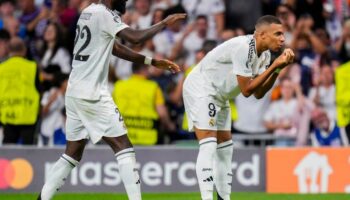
93 119
204 109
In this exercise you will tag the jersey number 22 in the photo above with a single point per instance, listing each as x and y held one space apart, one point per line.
84 34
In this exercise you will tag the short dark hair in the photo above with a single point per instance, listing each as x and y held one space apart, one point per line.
4 35
137 67
267 20
17 45
202 17
13 2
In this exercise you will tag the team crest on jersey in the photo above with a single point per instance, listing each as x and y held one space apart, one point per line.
212 122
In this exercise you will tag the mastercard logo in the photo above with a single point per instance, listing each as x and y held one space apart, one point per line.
16 173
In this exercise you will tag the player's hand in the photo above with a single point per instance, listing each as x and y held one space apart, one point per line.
173 18
286 58
166 64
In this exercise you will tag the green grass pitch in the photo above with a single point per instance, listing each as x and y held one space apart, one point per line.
180 196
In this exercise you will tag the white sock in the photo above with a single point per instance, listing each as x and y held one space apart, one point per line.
223 169
204 167
58 174
128 172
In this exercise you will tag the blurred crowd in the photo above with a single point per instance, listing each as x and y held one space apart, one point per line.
300 110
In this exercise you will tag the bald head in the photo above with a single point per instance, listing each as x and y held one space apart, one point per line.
17 47
265 21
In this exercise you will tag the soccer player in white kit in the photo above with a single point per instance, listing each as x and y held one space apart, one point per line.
241 64
91 112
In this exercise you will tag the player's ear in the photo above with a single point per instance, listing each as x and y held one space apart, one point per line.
262 34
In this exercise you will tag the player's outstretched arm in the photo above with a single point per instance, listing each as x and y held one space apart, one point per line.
126 53
263 83
139 36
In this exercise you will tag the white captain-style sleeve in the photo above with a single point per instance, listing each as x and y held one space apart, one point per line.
241 60
111 23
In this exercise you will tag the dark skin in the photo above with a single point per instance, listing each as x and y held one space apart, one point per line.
75 149
268 37
139 36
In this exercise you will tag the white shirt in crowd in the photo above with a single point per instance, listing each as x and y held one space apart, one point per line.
165 41
281 111
62 58
236 56
96 32
208 8
248 120
143 22
327 100
54 118
191 45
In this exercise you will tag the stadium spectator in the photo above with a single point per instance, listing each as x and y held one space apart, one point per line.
7 8
19 95
308 48
165 40
4 44
30 13
142 17
161 4
142 105
248 122
326 131
54 52
191 41
243 14
158 15
286 15
333 21
287 117
12 25
342 46
213 9
52 104
323 93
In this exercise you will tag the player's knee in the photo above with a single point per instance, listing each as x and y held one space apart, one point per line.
75 149
118 143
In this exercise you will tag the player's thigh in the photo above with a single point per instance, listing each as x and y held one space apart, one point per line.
203 134
224 136
75 129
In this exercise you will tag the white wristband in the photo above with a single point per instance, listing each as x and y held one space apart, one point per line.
148 60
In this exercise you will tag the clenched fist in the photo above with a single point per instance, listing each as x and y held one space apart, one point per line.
286 58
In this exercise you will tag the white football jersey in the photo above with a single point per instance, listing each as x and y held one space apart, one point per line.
236 56
95 35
